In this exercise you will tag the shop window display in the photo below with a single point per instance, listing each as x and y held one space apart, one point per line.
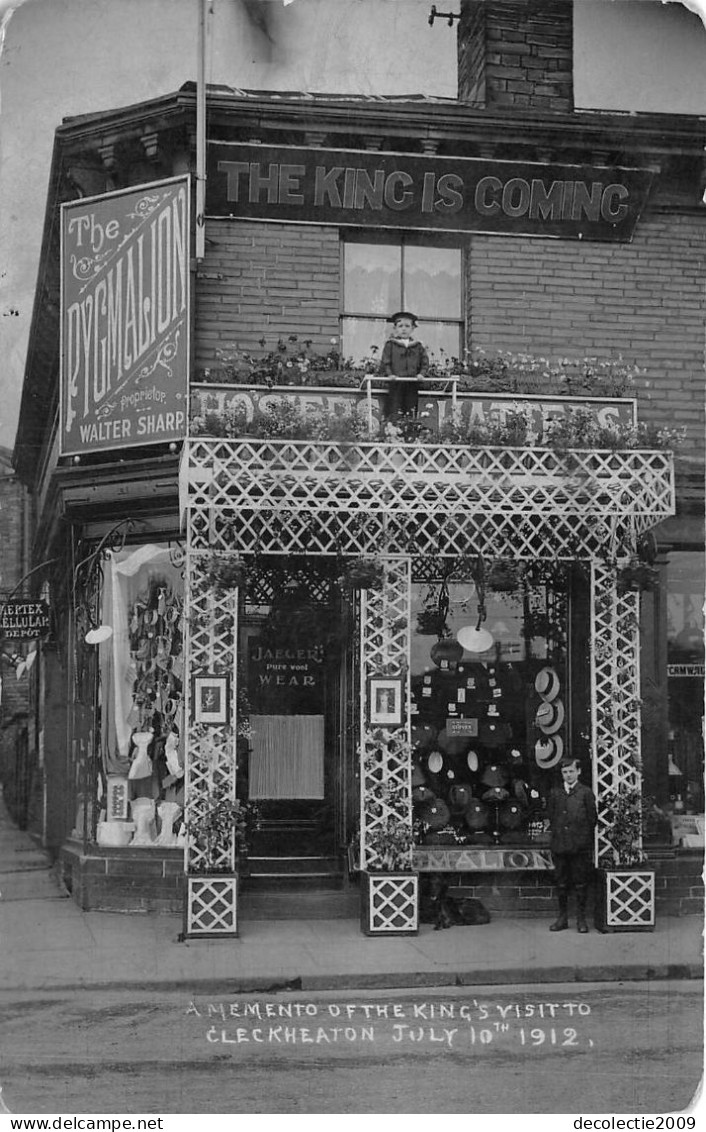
141 788
685 680
490 703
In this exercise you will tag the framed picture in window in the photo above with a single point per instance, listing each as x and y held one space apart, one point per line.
210 698
385 700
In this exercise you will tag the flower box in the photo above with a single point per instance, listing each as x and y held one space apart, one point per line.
211 908
389 903
625 899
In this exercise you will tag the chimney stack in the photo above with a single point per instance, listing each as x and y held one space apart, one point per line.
516 55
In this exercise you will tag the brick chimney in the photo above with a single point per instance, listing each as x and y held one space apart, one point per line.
516 54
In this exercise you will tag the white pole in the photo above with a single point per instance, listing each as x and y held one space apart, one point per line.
201 134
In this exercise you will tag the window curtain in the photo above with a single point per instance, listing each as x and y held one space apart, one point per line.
287 759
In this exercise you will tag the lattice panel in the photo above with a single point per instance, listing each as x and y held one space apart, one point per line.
389 478
392 904
630 899
520 536
615 674
386 783
210 644
211 906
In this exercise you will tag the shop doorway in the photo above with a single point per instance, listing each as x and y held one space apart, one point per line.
296 673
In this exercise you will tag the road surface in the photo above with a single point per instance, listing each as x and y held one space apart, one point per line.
573 1048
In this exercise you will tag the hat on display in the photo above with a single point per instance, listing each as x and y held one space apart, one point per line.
474 640
550 717
448 651
494 734
548 752
434 814
422 794
435 762
510 815
403 314
418 778
546 683
472 760
496 794
477 815
460 796
518 789
495 775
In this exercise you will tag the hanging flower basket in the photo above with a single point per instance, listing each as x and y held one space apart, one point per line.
362 574
636 576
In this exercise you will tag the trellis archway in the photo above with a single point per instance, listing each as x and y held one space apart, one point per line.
404 501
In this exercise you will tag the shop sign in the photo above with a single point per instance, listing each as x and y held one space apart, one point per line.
125 318
686 670
439 859
462 727
434 408
24 620
400 190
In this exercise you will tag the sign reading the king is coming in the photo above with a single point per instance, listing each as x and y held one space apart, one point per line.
125 318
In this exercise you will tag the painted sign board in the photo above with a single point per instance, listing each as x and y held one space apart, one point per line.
125 318
21 619
435 408
368 189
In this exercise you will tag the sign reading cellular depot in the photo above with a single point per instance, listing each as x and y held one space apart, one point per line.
125 318
24 620
399 190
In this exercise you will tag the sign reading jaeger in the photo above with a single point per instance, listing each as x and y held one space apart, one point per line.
125 318
24 620
400 190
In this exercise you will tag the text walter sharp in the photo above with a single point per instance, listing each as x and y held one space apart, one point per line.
132 293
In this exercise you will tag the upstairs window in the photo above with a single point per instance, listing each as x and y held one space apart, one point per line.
386 273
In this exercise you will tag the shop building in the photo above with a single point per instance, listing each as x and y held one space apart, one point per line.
376 636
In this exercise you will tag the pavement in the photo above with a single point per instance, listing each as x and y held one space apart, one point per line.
48 943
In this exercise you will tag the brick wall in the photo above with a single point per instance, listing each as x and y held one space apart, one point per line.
641 300
266 280
516 54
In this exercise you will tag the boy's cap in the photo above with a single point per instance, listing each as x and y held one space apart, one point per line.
403 314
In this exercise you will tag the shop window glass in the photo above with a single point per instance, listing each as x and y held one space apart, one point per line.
489 727
141 698
685 678
381 275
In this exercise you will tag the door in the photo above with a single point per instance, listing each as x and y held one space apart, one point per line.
292 655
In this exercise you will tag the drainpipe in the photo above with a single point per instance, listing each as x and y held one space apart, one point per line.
201 134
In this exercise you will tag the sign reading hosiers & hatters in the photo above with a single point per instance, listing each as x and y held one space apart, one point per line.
125 318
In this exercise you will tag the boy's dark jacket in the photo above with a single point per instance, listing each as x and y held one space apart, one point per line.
572 819
399 360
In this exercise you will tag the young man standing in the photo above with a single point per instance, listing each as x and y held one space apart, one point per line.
572 816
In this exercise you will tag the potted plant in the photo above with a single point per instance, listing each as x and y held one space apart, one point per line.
362 574
220 836
626 894
390 887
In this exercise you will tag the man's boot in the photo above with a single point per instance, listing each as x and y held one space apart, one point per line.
562 921
581 895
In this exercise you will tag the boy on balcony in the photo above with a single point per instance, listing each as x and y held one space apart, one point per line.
403 357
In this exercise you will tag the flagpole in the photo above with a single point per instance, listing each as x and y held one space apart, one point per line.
200 244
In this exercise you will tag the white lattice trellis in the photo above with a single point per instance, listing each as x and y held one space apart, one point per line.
386 785
210 639
615 675
404 501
